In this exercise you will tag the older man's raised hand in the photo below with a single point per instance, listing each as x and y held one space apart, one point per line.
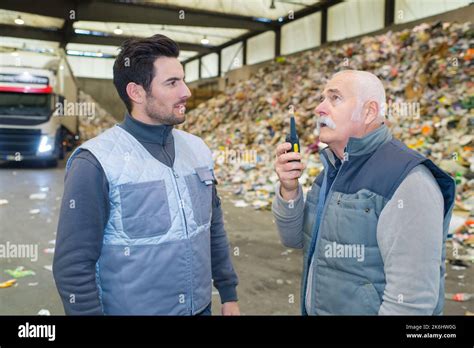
289 168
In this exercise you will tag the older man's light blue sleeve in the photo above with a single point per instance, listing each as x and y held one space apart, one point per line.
410 238
289 217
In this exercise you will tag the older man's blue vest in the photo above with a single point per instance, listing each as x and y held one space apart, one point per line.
373 169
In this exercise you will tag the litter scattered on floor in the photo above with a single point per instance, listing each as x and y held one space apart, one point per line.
260 204
38 196
49 251
458 264
459 297
7 284
48 267
461 245
44 312
458 268
34 211
33 284
19 272
3 201
240 204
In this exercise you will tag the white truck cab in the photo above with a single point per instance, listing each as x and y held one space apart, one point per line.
32 85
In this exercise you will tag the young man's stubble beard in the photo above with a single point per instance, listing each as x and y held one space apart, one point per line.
167 119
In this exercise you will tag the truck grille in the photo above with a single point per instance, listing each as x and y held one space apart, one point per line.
24 141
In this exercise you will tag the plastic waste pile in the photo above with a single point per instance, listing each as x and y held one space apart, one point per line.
427 74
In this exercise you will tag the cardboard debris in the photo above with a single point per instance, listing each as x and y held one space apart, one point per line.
426 74
3 202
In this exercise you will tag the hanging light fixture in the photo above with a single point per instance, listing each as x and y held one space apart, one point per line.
19 20
205 40
118 31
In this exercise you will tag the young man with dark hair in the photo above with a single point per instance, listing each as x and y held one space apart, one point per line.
141 228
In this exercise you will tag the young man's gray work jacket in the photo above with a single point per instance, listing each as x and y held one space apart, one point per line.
156 251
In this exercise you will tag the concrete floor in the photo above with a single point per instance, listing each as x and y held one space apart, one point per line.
269 273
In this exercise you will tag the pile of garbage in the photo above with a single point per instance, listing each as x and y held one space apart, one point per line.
427 74
101 120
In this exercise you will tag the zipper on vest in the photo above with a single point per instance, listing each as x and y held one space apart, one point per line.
181 202
309 290
181 206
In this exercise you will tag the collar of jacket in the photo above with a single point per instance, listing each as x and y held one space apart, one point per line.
143 132
360 146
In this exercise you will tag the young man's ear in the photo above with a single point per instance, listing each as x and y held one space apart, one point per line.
136 93
371 112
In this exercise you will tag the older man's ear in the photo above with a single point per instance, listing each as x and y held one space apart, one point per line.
371 111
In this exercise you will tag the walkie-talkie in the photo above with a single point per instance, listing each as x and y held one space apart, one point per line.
292 138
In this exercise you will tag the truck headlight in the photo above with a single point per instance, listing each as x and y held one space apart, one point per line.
46 144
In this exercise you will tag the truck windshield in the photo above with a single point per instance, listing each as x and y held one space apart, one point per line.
25 104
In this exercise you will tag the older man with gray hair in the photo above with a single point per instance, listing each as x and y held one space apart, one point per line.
374 224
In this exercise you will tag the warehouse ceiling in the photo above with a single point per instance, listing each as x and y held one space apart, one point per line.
199 26
249 8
